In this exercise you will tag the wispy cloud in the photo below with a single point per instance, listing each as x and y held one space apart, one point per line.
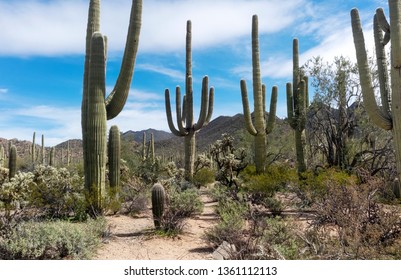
174 74
3 90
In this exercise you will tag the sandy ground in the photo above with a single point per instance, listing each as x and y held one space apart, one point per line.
134 239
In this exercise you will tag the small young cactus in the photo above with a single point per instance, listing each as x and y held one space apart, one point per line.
12 162
158 200
51 156
114 156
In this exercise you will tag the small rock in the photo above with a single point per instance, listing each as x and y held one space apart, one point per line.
224 251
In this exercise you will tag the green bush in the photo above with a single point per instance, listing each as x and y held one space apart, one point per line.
52 240
262 186
204 176
230 227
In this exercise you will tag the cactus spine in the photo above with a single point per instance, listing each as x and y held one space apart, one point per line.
114 156
297 104
96 109
158 199
388 116
185 116
12 162
261 128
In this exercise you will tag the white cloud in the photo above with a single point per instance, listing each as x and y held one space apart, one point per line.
34 27
3 90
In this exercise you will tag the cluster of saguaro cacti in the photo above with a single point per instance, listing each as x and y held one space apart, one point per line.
96 109
297 104
114 157
12 162
187 128
158 200
261 127
388 115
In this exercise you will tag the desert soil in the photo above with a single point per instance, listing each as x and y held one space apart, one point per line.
133 238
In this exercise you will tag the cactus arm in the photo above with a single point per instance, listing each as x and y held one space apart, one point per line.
117 98
382 67
290 105
377 116
189 102
169 116
210 108
384 25
179 113
204 104
272 113
301 109
247 114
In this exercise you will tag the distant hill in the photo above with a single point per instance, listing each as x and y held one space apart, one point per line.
137 136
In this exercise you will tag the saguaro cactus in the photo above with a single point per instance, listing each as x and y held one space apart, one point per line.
185 117
388 115
52 156
114 156
33 148
12 162
158 199
297 103
261 128
42 151
96 109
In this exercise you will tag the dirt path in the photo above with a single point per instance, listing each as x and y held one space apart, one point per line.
133 238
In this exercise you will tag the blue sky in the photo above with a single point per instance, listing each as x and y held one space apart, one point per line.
42 55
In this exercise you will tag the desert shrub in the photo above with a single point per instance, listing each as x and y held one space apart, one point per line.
134 195
232 218
52 240
203 177
313 186
58 192
262 187
364 229
181 204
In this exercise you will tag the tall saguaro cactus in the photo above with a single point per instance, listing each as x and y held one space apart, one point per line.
114 152
297 103
187 128
96 109
261 127
12 162
388 116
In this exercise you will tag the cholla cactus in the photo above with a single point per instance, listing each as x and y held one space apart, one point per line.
96 109
187 128
388 115
261 127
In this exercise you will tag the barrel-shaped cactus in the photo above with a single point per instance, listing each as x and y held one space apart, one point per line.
388 115
297 104
186 127
261 127
158 200
96 109
12 162
114 157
